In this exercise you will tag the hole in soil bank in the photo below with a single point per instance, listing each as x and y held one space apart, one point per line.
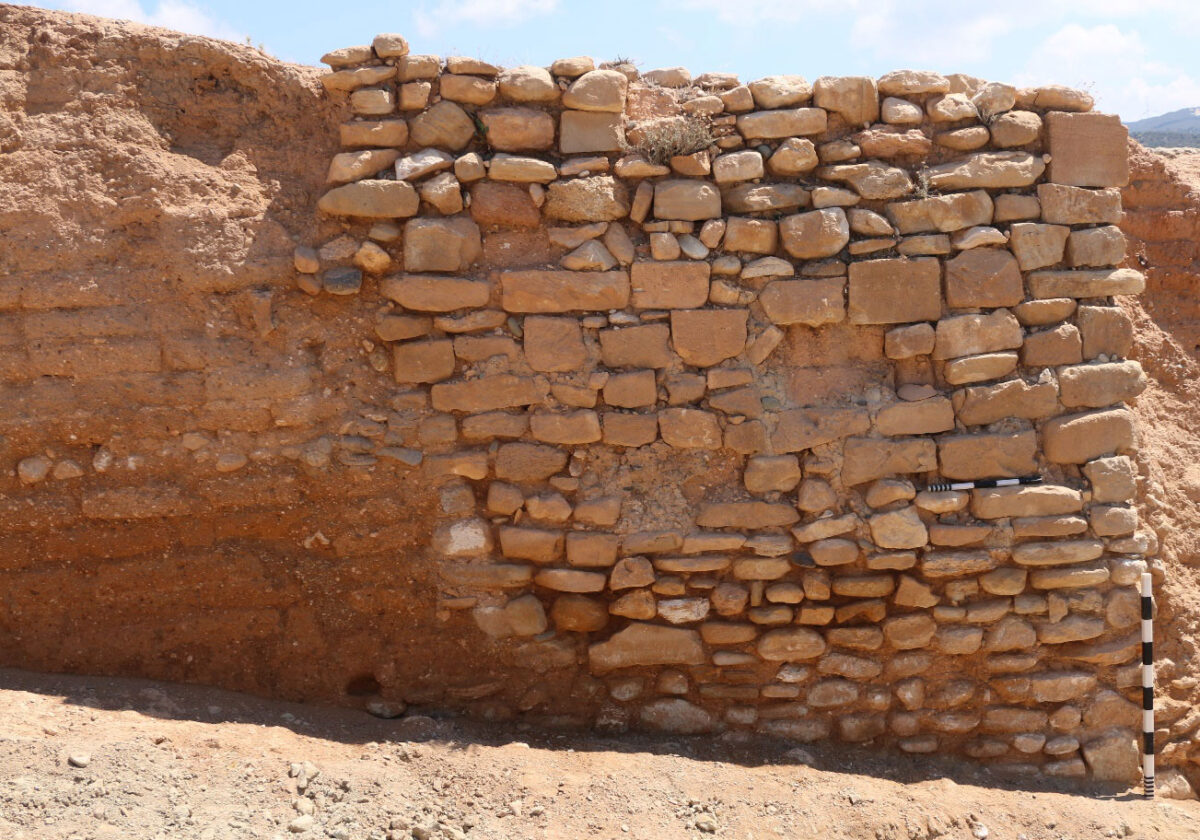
363 685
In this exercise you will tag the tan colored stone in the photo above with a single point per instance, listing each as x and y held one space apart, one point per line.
638 605
744 165
998 455
531 544
522 170
1040 313
772 125
772 473
1060 552
571 428
444 125
631 430
814 235
872 180
597 90
687 200
1059 346
970 335
909 82
1079 438
855 98
907 632
631 390
898 529
424 293
443 193
946 213
893 141
979 368
689 428
704 337
1038 246
1101 246
572 67
488 393
528 84
599 198
670 284
1012 207
1006 502
923 417
794 156
468 89
643 346
1087 150
1016 128
965 139
987 170
372 102
780 91
906 342
792 644
441 244
756 236
1010 633
586 131
868 459
354 166
518 129
895 291
423 361
763 198
804 428
983 278
640 645
374 133
1085 284
810 302
1065 205
1100 385
746 515
563 291
1112 479
503 204
372 200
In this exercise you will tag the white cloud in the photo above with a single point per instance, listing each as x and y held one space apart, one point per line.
430 19
768 11
1116 66
170 14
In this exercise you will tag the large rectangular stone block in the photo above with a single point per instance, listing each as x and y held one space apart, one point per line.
1087 150
895 291
564 291
676 284
1003 455
1078 438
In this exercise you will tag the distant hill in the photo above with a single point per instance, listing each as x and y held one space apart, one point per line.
1178 128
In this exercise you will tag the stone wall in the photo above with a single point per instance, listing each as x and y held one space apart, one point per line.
592 397
686 353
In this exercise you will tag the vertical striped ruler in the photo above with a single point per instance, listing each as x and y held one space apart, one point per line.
1147 688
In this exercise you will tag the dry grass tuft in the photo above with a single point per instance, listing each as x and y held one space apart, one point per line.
663 139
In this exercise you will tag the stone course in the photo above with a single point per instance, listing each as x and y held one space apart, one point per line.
841 292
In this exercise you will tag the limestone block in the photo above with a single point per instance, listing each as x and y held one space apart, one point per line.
1087 150
1014 208
443 192
1057 553
1079 438
898 529
441 244
540 291
867 459
353 166
1006 502
423 361
906 342
872 180
775 125
503 204
689 428
375 133
780 91
518 129
1112 479
895 291
1112 757
855 98
1102 246
763 198
571 428
528 84
970 335
1038 245
444 125
1100 385
1016 128
907 632
983 278
1065 205
642 346
986 404
535 545
987 170
686 200
371 200
630 429
1086 284
670 284
768 473
745 165
999 455
794 156
1059 346
425 293
922 417
587 131
600 198
489 393
631 390
640 645
951 107
814 235
946 213
811 302
471 90
791 644
909 82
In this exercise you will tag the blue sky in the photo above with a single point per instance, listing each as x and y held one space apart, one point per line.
1139 58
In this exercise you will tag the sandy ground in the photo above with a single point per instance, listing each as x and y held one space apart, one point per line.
166 761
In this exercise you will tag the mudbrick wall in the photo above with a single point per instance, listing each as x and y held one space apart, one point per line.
591 396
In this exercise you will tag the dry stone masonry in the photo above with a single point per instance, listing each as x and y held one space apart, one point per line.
686 351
